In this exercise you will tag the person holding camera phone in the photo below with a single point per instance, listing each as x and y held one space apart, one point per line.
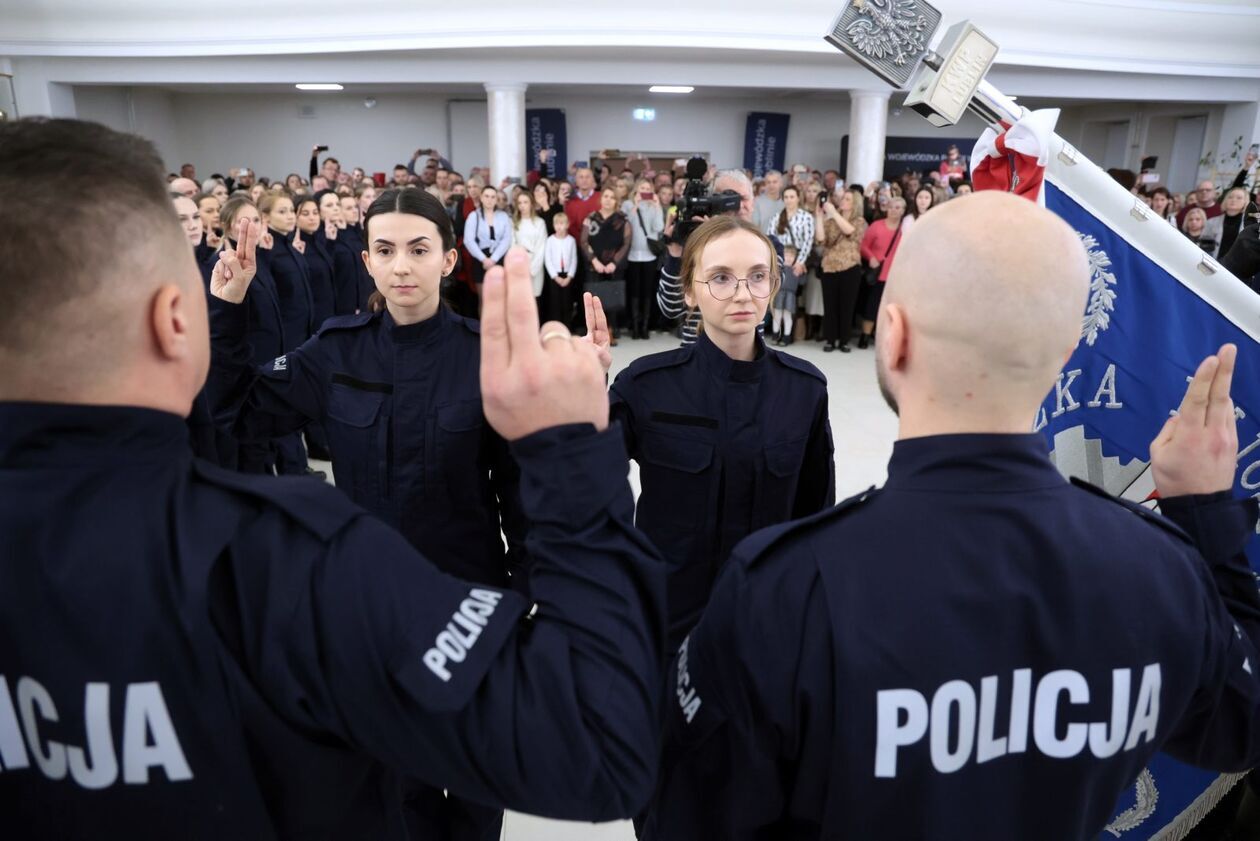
646 222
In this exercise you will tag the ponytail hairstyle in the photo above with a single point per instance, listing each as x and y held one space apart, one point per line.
781 226
228 213
417 203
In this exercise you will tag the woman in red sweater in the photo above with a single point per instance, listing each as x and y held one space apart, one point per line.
879 249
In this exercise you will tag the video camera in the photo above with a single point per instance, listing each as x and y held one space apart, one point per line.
696 200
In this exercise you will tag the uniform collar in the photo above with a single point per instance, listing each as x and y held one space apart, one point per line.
724 368
975 463
421 331
41 434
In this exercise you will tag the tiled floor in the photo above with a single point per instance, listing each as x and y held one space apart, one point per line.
863 429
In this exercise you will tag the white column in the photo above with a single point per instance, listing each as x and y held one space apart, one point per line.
505 104
868 128
1240 127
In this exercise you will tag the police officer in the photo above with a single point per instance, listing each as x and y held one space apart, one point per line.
730 436
980 649
396 390
187 652
264 326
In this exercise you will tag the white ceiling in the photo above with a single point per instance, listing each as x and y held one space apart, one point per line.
1173 37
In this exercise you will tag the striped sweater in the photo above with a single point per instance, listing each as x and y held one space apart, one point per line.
669 296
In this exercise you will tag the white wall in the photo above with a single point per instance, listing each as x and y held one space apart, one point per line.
143 111
269 132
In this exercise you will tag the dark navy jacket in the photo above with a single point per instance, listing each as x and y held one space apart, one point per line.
264 327
402 410
352 282
724 448
319 271
191 653
979 650
293 288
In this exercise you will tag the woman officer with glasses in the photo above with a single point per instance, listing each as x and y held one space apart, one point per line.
730 436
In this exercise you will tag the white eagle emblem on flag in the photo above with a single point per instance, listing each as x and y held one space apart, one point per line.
1102 298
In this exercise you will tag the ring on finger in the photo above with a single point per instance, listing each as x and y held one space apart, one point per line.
555 334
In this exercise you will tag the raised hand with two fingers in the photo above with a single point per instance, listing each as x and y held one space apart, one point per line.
530 379
236 267
597 334
1197 450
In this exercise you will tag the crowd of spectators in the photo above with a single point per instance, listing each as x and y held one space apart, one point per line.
607 232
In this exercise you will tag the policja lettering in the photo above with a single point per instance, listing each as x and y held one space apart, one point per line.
94 766
453 644
902 719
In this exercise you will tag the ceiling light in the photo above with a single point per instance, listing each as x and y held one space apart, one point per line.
671 89
319 86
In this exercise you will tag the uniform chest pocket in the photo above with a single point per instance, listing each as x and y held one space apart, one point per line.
679 490
358 435
685 455
458 447
354 407
777 487
784 460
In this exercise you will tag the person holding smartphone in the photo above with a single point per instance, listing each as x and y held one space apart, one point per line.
646 223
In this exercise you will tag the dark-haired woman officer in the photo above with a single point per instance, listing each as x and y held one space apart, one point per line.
316 248
397 390
729 435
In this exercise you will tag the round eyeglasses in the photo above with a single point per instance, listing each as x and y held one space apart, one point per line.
722 286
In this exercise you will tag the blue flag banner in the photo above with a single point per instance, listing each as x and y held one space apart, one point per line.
1157 307
545 128
765 142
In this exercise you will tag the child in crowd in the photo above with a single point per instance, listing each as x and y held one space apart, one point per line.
785 302
560 261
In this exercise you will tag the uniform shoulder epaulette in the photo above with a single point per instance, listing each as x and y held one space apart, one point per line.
1152 517
319 508
346 322
470 324
658 361
755 547
798 364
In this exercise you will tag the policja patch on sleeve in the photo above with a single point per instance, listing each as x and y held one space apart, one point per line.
453 646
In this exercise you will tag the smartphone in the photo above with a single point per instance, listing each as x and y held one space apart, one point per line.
648 196
1149 178
582 164
800 168
513 180
378 178
319 149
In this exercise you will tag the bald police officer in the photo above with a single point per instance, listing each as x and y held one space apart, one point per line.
980 649
187 652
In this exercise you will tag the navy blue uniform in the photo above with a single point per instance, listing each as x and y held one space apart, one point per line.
402 409
352 282
293 288
264 335
724 448
979 650
319 271
187 652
